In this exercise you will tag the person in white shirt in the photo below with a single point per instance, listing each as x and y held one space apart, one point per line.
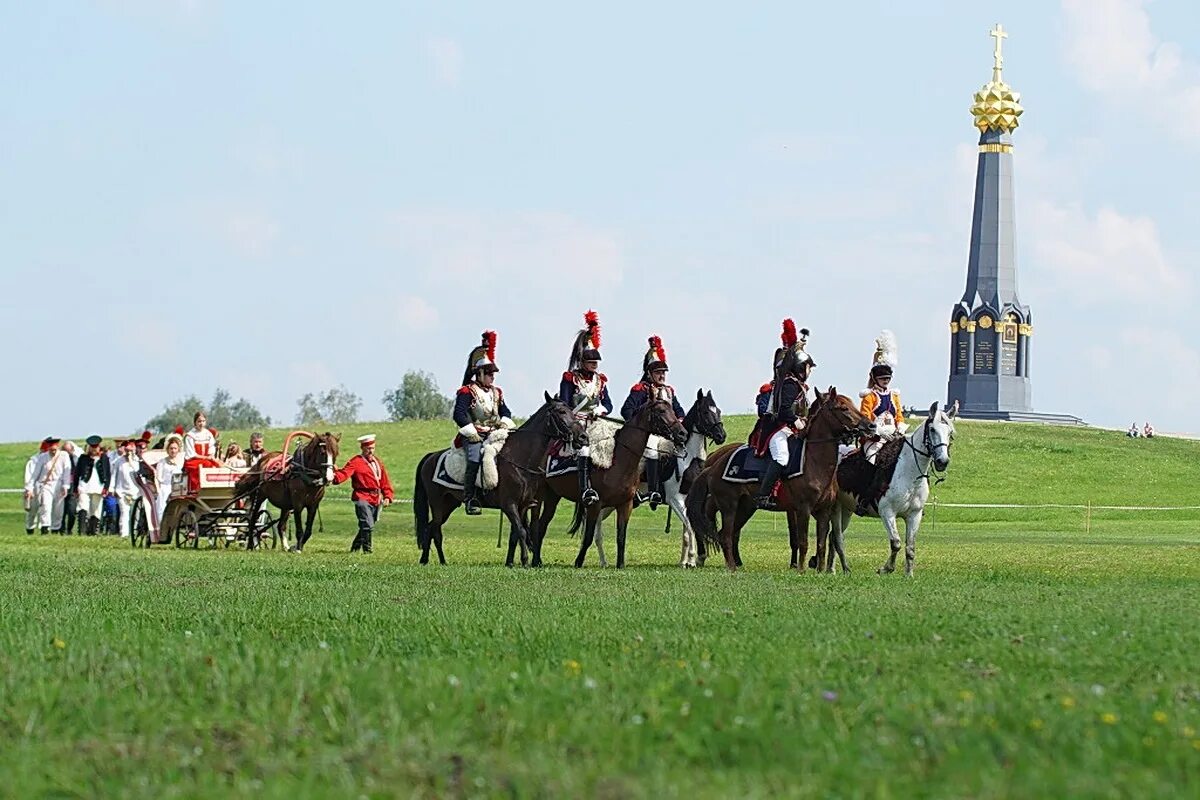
125 486
164 476
51 481
31 509
199 450
234 457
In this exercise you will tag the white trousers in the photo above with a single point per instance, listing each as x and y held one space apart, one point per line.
779 446
31 511
50 505
125 502
90 503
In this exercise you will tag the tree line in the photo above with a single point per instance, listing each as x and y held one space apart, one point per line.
417 397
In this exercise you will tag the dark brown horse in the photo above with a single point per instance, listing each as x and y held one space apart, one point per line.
831 419
521 467
617 485
299 488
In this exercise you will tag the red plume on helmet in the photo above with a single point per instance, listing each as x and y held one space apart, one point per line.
592 320
789 336
659 352
489 341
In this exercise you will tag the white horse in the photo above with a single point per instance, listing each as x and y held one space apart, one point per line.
703 422
926 448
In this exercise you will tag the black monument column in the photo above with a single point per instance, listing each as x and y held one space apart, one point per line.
990 328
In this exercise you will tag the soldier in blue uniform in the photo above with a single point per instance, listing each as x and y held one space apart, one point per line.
479 409
653 386
585 391
785 409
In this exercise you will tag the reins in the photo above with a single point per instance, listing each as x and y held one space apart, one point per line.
932 468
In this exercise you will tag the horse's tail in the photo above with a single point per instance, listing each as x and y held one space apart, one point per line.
577 519
420 506
697 499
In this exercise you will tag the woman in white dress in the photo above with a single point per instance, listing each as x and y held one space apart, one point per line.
199 450
164 475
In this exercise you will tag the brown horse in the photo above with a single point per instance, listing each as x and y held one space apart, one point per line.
298 489
831 419
521 467
617 485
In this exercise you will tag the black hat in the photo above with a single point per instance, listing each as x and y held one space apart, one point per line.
655 358
93 441
49 440
586 346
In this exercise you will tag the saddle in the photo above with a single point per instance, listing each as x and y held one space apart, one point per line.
745 467
451 467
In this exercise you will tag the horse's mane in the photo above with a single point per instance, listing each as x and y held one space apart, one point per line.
536 418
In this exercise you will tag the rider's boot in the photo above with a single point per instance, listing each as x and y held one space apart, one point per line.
653 485
470 490
763 498
587 495
864 506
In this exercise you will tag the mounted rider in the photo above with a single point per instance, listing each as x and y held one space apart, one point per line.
880 404
479 409
652 387
786 409
585 391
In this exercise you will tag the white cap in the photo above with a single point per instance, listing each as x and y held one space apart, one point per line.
368 438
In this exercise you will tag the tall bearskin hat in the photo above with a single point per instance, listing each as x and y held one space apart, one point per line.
886 356
482 357
586 346
791 358
655 358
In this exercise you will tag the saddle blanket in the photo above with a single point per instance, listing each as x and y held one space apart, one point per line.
744 467
564 464
451 465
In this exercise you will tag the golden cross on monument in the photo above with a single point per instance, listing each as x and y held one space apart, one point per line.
999 34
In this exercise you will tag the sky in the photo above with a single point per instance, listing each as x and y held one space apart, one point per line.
277 198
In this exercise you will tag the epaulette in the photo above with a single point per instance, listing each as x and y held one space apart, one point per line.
602 377
638 387
464 390
766 387
569 376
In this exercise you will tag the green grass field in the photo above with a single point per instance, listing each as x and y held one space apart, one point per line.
1036 652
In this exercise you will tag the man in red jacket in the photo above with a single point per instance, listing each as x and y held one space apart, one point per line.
372 490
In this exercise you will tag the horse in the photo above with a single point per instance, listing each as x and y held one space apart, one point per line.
299 486
702 422
920 452
617 484
831 419
521 468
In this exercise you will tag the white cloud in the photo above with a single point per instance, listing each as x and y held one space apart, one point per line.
1111 46
414 313
522 249
1154 352
446 57
251 233
1108 256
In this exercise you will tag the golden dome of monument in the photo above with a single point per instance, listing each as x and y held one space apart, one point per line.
997 107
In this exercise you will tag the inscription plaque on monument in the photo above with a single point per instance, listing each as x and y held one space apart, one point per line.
962 354
985 354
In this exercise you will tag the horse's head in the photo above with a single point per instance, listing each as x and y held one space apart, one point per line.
840 414
560 421
939 435
705 417
326 451
660 418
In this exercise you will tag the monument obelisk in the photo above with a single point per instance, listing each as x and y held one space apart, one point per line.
990 328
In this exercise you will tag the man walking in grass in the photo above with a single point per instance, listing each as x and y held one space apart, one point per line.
31 507
371 490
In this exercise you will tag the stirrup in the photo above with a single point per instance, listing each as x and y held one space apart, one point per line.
589 496
765 502
471 507
655 499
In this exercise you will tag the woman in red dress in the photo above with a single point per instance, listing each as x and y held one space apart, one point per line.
199 450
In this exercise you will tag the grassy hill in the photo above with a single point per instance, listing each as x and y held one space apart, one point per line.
1029 657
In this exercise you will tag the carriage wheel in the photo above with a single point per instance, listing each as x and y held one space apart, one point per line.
139 528
187 530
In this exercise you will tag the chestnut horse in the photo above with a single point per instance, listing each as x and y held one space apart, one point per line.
617 485
831 419
300 488
521 467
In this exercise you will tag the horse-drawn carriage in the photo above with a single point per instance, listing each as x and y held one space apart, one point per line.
214 512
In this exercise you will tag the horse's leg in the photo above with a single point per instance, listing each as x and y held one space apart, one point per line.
912 523
687 548
728 523
252 513
889 524
511 513
839 539
591 522
802 541
549 506
604 514
622 528
284 544
437 542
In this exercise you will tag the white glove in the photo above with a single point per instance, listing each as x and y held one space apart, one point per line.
469 433
507 423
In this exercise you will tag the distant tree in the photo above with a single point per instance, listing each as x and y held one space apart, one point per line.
222 411
337 406
417 397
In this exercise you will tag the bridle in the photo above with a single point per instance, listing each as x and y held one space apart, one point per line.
929 446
